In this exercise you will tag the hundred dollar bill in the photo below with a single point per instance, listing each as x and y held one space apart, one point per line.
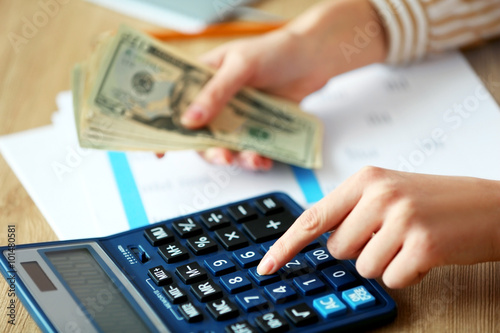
133 91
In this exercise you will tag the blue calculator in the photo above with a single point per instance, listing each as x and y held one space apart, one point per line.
195 273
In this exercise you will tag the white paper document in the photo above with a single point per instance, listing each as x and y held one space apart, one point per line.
434 117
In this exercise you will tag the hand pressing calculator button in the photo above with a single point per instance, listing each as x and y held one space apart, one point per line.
200 276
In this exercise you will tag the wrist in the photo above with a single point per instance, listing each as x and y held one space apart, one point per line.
346 33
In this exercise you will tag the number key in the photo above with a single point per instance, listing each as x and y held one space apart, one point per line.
280 292
309 284
247 257
320 258
251 300
220 265
263 280
294 268
339 277
235 282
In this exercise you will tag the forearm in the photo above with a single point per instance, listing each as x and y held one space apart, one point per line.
341 35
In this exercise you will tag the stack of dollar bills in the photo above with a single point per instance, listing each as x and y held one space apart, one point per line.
132 91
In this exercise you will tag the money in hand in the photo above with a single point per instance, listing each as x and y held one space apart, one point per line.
132 91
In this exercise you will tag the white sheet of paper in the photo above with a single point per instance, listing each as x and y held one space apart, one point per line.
434 117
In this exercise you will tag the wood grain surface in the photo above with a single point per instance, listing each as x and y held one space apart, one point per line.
33 71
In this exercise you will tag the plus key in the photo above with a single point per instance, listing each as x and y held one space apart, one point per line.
269 228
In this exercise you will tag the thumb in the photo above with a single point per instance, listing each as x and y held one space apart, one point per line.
233 73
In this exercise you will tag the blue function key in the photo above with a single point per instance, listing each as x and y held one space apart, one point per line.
262 280
215 220
294 268
247 257
235 282
187 227
358 298
309 284
339 277
220 265
320 258
242 213
280 292
329 306
251 300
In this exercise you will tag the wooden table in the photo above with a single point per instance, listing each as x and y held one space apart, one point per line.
34 70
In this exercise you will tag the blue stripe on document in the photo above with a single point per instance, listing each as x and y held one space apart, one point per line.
129 193
308 183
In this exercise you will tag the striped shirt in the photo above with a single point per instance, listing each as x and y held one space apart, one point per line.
417 27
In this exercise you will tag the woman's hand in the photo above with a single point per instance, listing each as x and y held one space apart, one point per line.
291 62
399 225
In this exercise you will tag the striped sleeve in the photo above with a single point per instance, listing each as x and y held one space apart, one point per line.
418 27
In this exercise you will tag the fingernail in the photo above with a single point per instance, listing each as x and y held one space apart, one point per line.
249 162
265 164
194 116
266 266
217 157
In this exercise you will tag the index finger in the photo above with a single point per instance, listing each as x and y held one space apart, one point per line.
324 216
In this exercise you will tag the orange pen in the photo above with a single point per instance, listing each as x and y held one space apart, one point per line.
221 30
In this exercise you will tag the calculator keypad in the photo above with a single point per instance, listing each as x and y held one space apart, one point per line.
207 271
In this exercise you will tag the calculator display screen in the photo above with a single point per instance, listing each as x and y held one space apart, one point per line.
99 296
